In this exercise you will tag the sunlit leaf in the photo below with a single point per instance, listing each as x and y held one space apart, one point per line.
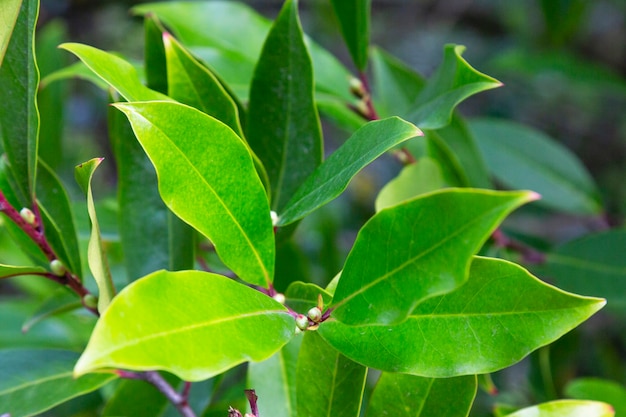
223 323
414 258
597 389
569 408
9 10
500 315
8 271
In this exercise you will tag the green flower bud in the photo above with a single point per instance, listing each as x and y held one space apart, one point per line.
315 314
90 300
28 216
57 268
357 88
302 322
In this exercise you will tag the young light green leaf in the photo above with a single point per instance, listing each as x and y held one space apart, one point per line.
274 381
334 174
8 271
419 178
183 144
454 81
569 408
327 383
96 255
401 395
193 84
115 71
597 389
283 126
58 218
19 118
301 296
500 315
9 10
425 260
600 256
35 380
521 157
223 323
354 21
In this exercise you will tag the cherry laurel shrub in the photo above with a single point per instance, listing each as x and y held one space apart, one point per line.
219 156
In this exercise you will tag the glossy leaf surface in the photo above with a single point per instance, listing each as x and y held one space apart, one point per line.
401 395
96 255
593 265
354 21
415 260
274 381
328 383
569 408
195 154
9 10
521 157
597 389
223 323
19 118
283 126
414 179
333 176
115 71
454 81
501 314
35 380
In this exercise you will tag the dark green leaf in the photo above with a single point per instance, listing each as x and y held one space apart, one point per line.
354 20
500 315
283 126
569 408
333 176
454 81
138 399
223 323
400 395
521 157
599 390
35 380
19 118
96 255
424 260
184 145
327 383
154 56
274 381
61 301
594 265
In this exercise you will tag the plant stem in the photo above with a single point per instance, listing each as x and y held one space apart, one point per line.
252 399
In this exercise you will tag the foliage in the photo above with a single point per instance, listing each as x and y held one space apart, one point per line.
220 164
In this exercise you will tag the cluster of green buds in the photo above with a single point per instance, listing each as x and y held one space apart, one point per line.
312 319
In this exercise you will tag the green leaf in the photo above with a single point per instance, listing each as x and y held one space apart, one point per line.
8 271
138 399
177 140
328 383
223 323
274 381
193 84
61 301
58 218
425 260
569 408
593 265
334 174
96 255
521 157
454 81
301 296
154 55
115 71
35 380
283 126
354 21
77 70
414 179
396 85
400 395
19 118
500 315
9 10
599 390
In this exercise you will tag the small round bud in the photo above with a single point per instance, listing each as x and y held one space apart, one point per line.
57 268
274 217
280 298
357 88
90 300
28 216
302 322
315 314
